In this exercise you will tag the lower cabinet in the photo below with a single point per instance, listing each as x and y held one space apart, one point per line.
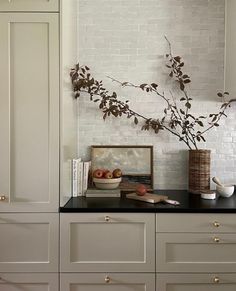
108 282
29 282
196 282
196 252
29 242
107 242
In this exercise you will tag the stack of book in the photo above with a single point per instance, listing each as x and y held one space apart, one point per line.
80 176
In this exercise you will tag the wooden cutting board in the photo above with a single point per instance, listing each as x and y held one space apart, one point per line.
151 198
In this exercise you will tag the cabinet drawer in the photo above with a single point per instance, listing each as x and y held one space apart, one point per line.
29 242
196 282
28 282
108 282
100 242
185 222
181 252
29 5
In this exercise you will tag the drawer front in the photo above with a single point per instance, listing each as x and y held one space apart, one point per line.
200 222
108 282
29 282
181 252
107 242
196 282
29 5
29 242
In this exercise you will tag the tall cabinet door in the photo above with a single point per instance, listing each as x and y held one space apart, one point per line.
29 112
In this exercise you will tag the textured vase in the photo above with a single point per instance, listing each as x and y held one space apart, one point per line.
199 170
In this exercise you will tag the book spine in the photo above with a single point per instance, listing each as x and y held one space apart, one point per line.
74 177
80 178
86 176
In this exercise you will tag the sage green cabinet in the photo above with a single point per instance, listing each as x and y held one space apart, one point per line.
29 242
29 282
195 222
195 252
196 282
107 242
108 282
29 112
29 5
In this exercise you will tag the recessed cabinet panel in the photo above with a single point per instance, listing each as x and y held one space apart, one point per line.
196 282
195 222
29 5
108 282
28 282
181 252
29 242
30 96
107 242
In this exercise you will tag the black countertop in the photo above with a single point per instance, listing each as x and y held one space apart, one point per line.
189 203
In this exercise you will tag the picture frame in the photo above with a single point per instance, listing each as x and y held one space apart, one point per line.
135 162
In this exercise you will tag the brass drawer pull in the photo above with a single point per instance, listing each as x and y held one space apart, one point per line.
107 279
107 218
3 198
216 280
216 224
216 240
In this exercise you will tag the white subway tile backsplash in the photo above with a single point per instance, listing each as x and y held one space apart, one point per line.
125 40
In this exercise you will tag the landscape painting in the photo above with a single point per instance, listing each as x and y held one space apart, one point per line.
135 162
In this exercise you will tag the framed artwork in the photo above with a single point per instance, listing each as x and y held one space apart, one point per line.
135 162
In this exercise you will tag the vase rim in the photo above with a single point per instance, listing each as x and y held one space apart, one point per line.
200 150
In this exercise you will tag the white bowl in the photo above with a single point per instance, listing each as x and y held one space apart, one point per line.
226 190
106 184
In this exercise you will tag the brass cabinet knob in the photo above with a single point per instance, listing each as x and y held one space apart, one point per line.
216 240
107 218
216 280
3 198
107 279
216 224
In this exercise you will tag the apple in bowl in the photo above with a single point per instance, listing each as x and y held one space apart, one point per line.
106 179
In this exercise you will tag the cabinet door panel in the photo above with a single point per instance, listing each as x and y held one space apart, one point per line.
181 252
196 282
107 242
29 5
108 282
28 282
29 175
29 242
195 222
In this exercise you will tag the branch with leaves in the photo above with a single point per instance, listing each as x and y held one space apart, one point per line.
176 117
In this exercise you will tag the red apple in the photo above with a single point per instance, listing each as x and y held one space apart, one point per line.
141 190
117 173
98 173
105 171
108 175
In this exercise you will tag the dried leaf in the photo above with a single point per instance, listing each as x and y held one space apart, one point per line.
154 85
177 59
186 81
182 86
188 105
142 86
